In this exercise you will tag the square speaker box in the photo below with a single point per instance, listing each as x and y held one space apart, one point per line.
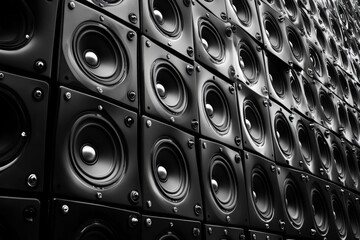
98 54
217 8
159 228
169 87
28 34
223 184
214 232
213 42
24 102
294 199
170 180
217 108
352 209
80 220
255 122
353 168
264 202
95 150
249 64
20 218
257 235
169 22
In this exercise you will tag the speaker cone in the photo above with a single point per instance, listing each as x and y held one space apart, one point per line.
339 160
344 58
283 134
315 61
354 217
305 146
169 236
295 87
339 217
211 40
291 9
296 45
333 47
306 20
326 105
343 117
353 123
223 184
343 84
253 122
293 202
320 210
354 92
320 36
262 193
96 231
169 86
351 163
309 95
277 79
324 150
248 61
242 10
216 107
167 17
97 151
170 169
273 32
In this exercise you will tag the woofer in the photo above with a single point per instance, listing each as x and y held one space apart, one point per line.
305 145
296 45
351 162
320 209
273 32
332 75
296 88
344 58
339 215
291 9
344 84
334 51
339 160
248 61
277 78
309 94
353 213
96 230
211 40
283 134
293 202
326 105
253 121
353 123
315 60
354 92
243 11
324 150
343 117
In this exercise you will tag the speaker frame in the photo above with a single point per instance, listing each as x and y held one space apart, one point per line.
253 234
188 118
71 218
214 232
66 182
190 205
214 213
183 42
70 73
313 104
276 223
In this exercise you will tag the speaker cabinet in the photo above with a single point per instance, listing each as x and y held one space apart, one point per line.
298 93
341 169
20 218
27 35
257 235
223 185
159 228
95 150
169 87
250 61
217 108
350 153
315 63
79 220
213 41
98 54
352 208
264 202
214 232
297 213
255 122
169 22
24 103
170 181
243 13
124 10
217 8
286 147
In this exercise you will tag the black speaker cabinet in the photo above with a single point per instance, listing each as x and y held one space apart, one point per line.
284 137
223 185
255 122
341 169
170 180
124 10
315 64
95 150
213 41
20 218
217 108
80 220
257 235
250 61
98 54
353 168
298 92
264 201
27 35
297 210
214 232
243 13
24 102
160 228
217 8
169 87
169 22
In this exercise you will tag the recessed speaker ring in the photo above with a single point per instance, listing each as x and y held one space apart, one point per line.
320 210
293 203
309 94
169 236
283 134
295 43
339 217
291 9
315 61
339 159
327 105
248 61
243 11
253 121
324 150
295 87
96 230
211 40
273 32
305 146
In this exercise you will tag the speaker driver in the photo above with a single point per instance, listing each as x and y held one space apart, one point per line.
223 184
273 32
96 231
291 9
248 62
211 40
99 54
344 121
169 86
242 10
354 92
339 160
333 47
339 217
315 61
295 88
353 123
170 170
309 95
283 134
253 122
277 79
344 58
96 150
169 236
354 217
327 105
343 84
295 44
14 125
324 150
351 163
305 146
166 16
293 203
320 211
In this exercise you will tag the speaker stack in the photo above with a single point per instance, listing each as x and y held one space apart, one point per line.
180 119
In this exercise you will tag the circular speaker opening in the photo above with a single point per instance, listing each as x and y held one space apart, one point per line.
353 123
315 61
253 121
339 159
320 36
97 150
283 134
336 29
327 105
343 84
273 32
306 20
295 87
277 78
350 158
100 54
211 40
343 117
339 217
216 107
344 58
248 61
96 231
167 17
291 9
332 74
169 236
309 95
305 146
333 47
354 92
324 150
14 127
262 193
16 24
169 87
243 11
170 169
223 183
295 43
323 17
320 210
293 202
354 217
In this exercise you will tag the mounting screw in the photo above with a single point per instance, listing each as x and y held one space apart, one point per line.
134 196
223 16
32 180
228 219
231 89
148 222
29 214
196 232
133 18
197 209
40 65
237 140
237 158
175 209
190 51
38 94
71 5
133 221
190 69
194 124
2 75
131 35
129 121
65 209
191 143
99 195
148 123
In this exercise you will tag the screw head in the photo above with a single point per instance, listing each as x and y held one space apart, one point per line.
129 121
131 35
2 75
65 209
134 196
29 214
133 221
148 222
71 5
38 94
133 18
194 124
197 209
190 51
40 66
32 180
196 232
